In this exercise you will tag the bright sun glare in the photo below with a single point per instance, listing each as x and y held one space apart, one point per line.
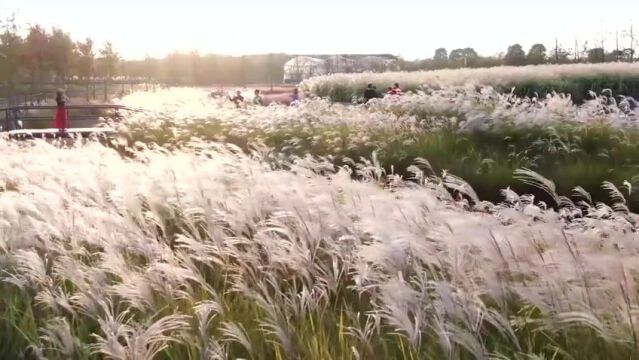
413 29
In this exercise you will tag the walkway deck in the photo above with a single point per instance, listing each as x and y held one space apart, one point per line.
24 134
20 124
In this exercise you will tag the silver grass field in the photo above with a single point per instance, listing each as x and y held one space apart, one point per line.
342 87
196 248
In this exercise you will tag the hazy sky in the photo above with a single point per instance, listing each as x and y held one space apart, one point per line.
411 28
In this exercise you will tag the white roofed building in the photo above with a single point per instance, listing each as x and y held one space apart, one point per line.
303 67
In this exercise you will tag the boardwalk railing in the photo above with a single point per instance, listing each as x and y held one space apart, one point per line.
14 115
74 133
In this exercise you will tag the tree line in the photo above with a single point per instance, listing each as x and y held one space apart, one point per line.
516 55
33 57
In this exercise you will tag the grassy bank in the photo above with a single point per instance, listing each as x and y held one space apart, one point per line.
574 79
571 156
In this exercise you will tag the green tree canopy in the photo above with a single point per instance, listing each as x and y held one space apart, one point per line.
108 60
11 45
61 49
441 55
463 57
537 54
36 54
85 58
515 55
596 55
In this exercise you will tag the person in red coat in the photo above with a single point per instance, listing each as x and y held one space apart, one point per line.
61 114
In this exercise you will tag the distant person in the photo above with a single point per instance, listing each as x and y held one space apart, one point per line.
396 89
238 99
377 94
12 119
257 99
295 98
61 115
389 91
12 114
370 93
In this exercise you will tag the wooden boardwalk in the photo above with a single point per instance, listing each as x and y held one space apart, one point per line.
89 117
25 134
69 107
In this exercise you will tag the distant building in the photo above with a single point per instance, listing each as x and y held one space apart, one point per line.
377 64
303 67
306 66
340 64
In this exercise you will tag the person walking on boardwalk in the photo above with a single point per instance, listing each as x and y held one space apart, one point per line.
61 115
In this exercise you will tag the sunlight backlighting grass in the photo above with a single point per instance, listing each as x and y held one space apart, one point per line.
169 245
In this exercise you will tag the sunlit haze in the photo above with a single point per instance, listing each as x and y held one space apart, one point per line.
412 29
